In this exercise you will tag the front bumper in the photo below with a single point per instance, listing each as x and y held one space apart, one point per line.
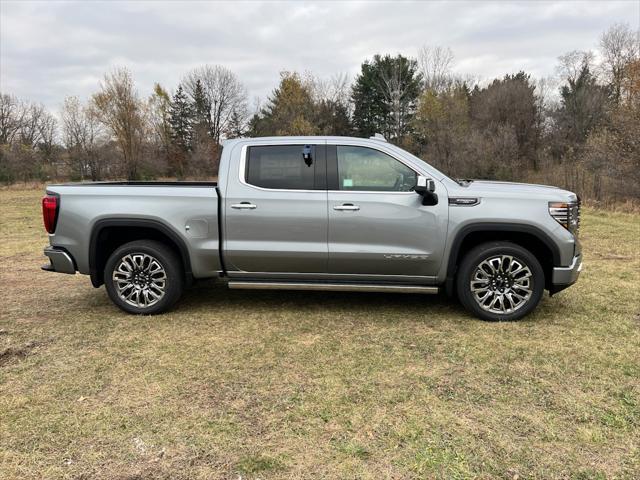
61 261
564 277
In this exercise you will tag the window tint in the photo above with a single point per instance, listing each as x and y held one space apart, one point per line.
366 169
281 166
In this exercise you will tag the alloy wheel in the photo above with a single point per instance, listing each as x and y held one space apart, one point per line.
501 284
140 280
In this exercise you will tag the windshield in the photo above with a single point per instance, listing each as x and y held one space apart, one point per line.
431 167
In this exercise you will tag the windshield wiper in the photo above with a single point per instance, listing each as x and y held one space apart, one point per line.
463 182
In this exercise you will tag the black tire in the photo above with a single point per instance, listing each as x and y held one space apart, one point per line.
147 281
488 256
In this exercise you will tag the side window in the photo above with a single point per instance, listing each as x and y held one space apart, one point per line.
288 167
366 169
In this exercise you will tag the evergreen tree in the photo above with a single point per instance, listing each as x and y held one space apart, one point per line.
237 125
385 96
584 106
369 108
181 120
201 109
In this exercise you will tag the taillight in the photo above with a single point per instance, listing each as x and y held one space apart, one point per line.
50 205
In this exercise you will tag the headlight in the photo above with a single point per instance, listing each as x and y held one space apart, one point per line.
566 214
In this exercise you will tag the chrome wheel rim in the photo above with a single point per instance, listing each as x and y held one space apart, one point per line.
501 284
140 280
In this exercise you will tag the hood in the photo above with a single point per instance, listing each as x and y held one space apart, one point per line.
513 189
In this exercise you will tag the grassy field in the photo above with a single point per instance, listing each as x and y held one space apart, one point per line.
237 384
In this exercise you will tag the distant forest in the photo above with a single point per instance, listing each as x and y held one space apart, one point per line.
579 130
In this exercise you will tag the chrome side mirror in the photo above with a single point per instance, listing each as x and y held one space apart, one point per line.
425 185
426 188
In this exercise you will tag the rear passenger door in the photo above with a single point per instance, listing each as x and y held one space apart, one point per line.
276 210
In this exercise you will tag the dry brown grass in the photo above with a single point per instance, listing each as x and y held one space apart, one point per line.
316 385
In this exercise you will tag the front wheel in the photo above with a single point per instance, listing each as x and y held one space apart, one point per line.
500 281
143 277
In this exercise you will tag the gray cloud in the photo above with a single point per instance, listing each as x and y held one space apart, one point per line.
52 49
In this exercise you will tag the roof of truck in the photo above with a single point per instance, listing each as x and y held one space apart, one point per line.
303 138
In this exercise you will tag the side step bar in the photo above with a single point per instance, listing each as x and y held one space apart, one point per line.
332 287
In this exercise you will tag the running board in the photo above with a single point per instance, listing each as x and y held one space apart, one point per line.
332 287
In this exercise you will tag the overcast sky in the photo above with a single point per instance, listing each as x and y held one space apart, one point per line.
51 49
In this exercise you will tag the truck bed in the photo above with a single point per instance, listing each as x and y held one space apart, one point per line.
91 214
138 184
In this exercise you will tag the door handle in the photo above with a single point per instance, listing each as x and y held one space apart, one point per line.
244 206
347 206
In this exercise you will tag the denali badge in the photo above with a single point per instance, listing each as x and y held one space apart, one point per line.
463 201
405 256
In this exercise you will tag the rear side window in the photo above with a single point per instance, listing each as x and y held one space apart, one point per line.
290 167
366 169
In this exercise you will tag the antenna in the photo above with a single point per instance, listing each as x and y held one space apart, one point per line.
378 136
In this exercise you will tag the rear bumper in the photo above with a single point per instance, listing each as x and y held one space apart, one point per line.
61 261
564 277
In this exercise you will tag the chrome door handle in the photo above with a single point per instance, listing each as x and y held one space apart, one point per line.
346 206
244 206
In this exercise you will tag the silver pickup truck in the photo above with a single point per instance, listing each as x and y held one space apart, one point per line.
319 213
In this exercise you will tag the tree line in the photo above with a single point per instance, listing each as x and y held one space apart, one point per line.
579 130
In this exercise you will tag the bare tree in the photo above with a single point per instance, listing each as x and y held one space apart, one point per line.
545 104
83 137
436 63
511 102
570 64
30 124
74 133
119 108
11 118
47 128
224 92
620 46
28 136
340 88
335 89
442 123
160 113
331 106
30 131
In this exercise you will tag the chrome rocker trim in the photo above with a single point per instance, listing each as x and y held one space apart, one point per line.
333 287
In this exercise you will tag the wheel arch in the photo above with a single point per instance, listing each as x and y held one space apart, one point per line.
527 236
103 242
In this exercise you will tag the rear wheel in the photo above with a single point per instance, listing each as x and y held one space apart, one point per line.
500 281
143 277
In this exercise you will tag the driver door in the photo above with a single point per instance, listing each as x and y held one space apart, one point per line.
377 223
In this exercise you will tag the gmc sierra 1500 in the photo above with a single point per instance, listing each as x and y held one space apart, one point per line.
319 213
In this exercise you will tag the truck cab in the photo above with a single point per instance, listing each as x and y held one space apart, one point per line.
348 211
